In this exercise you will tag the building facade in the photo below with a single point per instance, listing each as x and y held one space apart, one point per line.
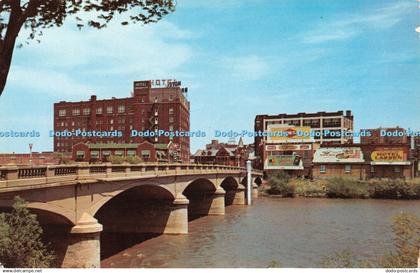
162 106
297 138
224 153
37 158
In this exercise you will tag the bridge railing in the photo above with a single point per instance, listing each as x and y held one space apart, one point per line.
57 173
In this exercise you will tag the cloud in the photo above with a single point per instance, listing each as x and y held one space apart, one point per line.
250 67
354 24
73 59
46 82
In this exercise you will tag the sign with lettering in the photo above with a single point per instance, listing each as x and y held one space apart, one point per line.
388 155
338 154
281 133
165 83
288 147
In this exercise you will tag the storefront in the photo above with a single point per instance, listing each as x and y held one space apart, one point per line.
390 162
339 162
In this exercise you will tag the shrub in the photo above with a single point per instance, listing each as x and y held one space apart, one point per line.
339 187
114 159
308 188
406 241
134 159
279 184
20 239
394 189
406 229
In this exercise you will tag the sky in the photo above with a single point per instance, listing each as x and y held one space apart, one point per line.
238 59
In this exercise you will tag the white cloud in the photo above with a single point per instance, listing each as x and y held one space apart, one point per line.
354 24
249 67
69 57
46 81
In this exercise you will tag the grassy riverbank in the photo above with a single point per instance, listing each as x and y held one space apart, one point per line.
284 186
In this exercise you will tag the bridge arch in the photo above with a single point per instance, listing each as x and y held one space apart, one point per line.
134 215
110 195
205 198
235 192
258 181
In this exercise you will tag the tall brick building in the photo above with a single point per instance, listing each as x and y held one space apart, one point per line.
162 106
294 153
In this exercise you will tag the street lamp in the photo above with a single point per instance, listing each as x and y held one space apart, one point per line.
30 153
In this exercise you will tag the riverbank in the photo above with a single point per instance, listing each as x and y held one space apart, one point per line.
283 186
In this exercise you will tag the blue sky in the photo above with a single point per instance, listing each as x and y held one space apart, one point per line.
238 58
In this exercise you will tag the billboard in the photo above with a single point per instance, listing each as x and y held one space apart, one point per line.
288 147
283 133
283 162
339 155
388 155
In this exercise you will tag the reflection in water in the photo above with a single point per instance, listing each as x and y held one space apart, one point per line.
293 232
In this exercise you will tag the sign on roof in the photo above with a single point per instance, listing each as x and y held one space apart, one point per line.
283 133
339 155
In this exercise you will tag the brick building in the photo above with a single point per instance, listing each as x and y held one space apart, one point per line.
300 135
380 135
149 109
100 152
224 153
38 158
339 161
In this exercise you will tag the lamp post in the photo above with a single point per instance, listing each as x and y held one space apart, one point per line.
30 153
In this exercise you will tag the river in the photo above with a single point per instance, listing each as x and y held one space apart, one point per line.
295 232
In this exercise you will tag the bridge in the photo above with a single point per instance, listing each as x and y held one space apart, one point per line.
76 203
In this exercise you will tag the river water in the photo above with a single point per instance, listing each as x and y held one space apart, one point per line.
295 232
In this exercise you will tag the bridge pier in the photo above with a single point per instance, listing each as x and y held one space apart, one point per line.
83 244
178 217
235 196
254 190
217 206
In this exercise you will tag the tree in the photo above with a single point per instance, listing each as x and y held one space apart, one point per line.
20 239
37 15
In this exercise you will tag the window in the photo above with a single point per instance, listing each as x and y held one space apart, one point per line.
322 169
111 121
106 153
94 154
80 155
372 169
171 111
99 111
171 98
76 112
131 152
171 128
119 153
397 169
109 110
86 111
121 109
145 154
347 168
171 119
62 112
156 99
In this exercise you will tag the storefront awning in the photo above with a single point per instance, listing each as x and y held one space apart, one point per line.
392 163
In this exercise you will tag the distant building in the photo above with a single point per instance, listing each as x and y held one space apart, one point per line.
42 158
224 153
153 106
339 161
100 152
380 135
298 136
